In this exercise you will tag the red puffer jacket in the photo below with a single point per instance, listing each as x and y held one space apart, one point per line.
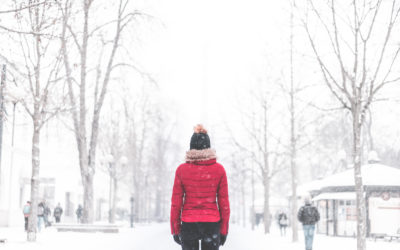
199 185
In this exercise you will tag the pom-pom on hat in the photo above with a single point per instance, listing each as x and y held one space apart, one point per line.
200 139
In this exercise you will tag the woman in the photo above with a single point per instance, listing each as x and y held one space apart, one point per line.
200 203
27 212
283 222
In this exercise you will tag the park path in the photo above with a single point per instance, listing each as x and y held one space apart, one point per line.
157 237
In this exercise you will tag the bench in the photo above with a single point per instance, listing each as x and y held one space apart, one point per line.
388 237
87 228
394 236
378 236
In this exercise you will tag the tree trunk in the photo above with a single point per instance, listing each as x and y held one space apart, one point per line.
148 203
158 197
114 200
266 169
79 113
237 207
242 190
293 141
87 216
2 86
360 200
295 236
253 214
370 144
88 206
32 226
157 212
35 179
147 199
267 218
110 199
294 182
137 204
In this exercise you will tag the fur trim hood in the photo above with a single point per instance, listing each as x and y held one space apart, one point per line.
195 155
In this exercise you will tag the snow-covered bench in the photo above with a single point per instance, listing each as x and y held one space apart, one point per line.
388 237
376 236
394 236
87 228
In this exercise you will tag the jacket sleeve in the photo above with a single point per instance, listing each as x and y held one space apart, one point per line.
176 204
223 203
317 215
300 214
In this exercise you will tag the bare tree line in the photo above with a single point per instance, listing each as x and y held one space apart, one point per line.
49 35
138 138
41 69
359 77
356 52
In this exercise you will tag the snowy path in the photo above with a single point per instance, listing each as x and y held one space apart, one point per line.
157 237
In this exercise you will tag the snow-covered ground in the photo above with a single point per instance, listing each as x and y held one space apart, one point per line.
157 237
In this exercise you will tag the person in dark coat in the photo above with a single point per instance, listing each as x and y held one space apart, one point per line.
57 213
200 203
79 213
282 222
308 215
46 214
40 215
27 212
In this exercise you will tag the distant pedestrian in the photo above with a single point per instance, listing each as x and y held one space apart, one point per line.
79 213
26 211
282 222
46 214
40 215
308 215
57 213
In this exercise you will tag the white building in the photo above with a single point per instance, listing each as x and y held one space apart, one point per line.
335 198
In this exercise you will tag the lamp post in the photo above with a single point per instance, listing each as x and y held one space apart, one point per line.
110 162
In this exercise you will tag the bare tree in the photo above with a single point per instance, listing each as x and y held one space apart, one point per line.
252 212
297 121
138 117
239 174
269 161
364 53
113 142
293 137
36 80
151 151
2 113
162 155
106 63
22 6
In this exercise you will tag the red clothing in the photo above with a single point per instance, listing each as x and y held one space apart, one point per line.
198 187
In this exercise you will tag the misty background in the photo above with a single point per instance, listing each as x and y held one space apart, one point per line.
229 65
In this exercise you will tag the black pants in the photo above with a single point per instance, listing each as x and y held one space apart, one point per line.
26 223
283 229
206 232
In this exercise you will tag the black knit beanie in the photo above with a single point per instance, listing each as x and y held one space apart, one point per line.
200 139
